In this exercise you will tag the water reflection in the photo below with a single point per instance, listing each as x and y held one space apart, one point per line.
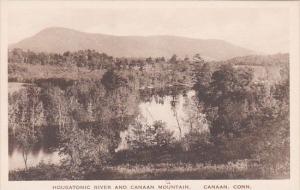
42 151
34 158
162 109
170 108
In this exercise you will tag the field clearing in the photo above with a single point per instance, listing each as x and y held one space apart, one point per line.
264 73
28 72
15 86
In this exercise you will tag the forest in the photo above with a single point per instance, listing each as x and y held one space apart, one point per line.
230 118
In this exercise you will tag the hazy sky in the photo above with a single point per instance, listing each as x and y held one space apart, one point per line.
261 29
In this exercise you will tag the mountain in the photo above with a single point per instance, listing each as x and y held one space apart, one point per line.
58 40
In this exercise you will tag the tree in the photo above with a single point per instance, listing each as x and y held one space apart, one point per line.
174 103
194 119
83 152
16 56
199 143
198 59
26 118
143 136
227 99
111 80
247 119
60 105
270 128
173 59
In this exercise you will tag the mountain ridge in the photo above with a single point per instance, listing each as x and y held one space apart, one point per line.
59 40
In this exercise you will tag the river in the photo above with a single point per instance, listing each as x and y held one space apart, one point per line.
169 109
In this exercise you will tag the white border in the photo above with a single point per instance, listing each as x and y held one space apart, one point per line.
291 184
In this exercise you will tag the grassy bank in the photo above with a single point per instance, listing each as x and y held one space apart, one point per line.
177 171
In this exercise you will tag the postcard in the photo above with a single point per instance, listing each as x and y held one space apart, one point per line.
150 95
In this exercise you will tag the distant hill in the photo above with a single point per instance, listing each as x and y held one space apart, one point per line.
279 59
58 40
269 68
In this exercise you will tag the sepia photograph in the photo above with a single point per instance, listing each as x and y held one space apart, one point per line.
156 92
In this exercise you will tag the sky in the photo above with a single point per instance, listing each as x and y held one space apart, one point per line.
263 29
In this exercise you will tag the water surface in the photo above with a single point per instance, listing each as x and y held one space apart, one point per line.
169 109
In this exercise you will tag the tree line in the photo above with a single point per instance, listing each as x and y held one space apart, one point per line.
231 117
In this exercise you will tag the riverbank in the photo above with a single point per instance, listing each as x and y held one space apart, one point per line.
162 171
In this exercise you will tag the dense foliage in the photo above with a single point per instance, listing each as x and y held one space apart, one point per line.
233 117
